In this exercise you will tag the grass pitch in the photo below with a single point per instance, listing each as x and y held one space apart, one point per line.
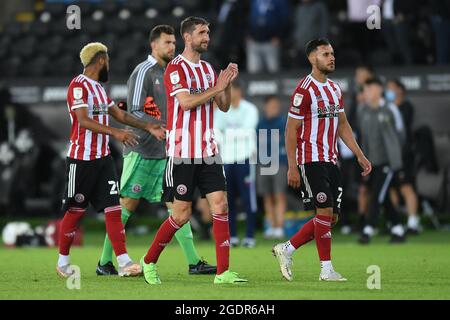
419 269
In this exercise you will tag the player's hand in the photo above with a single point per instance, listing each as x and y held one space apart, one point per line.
224 79
234 68
293 177
126 136
365 165
158 131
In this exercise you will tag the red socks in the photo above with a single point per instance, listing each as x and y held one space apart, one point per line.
67 229
318 228
115 230
305 235
221 232
322 234
165 233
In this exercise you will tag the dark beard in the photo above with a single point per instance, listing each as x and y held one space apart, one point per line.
103 75
199 49
166 58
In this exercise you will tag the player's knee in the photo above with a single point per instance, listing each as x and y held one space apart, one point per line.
220 206
129 203
181 213
181 218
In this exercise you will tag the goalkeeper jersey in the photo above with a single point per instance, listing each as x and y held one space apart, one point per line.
146 99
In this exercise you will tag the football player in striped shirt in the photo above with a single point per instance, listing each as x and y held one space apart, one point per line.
144 164
316 119
192 88
91 174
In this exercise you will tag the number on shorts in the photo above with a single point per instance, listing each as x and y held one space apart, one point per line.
339 200
114 187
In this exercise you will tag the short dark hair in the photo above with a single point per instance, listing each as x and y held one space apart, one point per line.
188 25
398 83
158 30
371 81
312 45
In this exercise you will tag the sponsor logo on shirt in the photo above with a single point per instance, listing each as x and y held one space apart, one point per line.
330 111
99 109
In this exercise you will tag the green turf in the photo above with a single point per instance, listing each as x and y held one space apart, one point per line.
419 269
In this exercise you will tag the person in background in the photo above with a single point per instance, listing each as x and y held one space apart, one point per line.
363 72
440 20
381 142
404 179
236 134
396 29
267 23
311 21
273 187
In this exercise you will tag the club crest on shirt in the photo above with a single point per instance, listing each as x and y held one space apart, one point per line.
298 98
77 93
174 77
208 77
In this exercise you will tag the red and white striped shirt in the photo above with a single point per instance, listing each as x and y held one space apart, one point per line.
87 93
190 133
318 105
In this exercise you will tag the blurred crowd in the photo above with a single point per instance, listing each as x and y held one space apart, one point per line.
260 35
263 36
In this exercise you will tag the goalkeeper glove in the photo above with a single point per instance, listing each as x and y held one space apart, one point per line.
151 108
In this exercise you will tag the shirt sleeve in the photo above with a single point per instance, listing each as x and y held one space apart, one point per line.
77 96
110 101
140 86
175 80
300 101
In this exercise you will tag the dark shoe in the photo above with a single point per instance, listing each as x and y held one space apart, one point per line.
412 232
106 270
397 239
364 239
202 267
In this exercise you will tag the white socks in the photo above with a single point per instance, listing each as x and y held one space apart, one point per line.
123 260
413 222
278 233
63 260
398 230
369 231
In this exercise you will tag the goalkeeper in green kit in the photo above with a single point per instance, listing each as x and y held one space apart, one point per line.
144 164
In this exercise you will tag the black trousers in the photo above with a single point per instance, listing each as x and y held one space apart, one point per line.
379 184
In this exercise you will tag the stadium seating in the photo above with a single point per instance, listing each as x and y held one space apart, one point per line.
46 47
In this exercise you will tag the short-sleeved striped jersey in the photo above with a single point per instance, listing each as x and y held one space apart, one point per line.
318 105
190 133
84 92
